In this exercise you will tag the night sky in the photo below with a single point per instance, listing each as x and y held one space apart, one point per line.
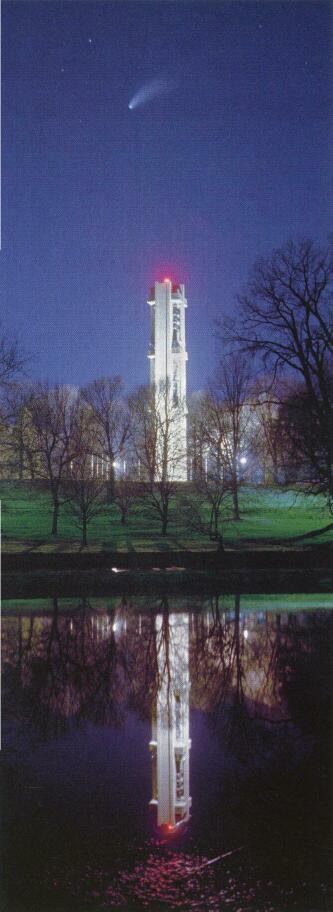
99 201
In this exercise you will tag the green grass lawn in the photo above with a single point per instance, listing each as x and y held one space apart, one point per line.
259 602
269 517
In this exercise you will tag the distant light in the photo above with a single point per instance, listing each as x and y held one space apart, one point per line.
115 570
243 460
166 280
115 627
245 634
170 826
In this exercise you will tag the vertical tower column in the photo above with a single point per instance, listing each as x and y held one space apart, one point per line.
170 744
167 355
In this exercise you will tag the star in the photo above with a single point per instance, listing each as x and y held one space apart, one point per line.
90 40
62 69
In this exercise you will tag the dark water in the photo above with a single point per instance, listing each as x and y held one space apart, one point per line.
143 739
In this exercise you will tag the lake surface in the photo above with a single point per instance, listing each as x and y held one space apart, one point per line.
144 739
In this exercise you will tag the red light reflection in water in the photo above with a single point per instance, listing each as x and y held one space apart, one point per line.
170 879
163 876
170 829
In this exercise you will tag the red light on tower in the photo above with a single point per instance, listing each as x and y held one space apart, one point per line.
166 280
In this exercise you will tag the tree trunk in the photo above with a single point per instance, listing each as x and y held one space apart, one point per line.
165 519
235 503
56 505
21 459
84 532
234 486
31 467
111 486
220 545
275 466
214 522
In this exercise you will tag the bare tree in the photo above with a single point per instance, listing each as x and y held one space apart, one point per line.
111 422
125 494
207 510
286 319
221 428
85 491
210 503
304 450
12 362
52 418
233 415
196 441
158 445
17 432
267 440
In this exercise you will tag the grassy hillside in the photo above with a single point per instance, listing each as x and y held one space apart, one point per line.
269 517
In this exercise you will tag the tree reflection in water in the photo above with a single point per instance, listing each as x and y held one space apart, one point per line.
89 664
259 680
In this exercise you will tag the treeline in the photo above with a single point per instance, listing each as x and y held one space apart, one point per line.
265 415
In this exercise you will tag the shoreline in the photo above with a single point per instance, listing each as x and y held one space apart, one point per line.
254 558
103 573
38 574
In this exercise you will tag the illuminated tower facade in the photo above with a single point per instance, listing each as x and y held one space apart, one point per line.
170 743
167 355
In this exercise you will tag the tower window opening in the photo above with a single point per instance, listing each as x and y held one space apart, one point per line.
178 716
175 327
175 387
179 778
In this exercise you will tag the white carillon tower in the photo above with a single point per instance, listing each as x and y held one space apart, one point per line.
167 355
170 744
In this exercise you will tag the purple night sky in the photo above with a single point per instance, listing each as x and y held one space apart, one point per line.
99 200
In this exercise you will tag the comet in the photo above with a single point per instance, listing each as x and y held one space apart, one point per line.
155 88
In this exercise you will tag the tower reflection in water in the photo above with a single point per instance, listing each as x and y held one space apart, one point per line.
170 742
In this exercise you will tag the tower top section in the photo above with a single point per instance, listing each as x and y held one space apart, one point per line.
176 291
